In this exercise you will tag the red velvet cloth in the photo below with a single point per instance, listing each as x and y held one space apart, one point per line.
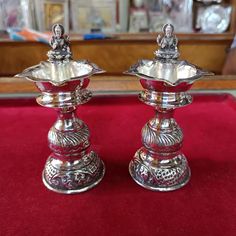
118 206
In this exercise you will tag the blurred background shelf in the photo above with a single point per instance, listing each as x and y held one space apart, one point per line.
117 54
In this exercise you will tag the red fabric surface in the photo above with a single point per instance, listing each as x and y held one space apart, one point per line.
118 206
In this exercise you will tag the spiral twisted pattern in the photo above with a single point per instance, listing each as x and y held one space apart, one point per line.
68 139
161 139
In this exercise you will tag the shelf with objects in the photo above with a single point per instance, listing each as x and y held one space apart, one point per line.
109 16
121 46
205 16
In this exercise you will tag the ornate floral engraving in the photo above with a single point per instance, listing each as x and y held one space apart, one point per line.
82 173
160 176
83 95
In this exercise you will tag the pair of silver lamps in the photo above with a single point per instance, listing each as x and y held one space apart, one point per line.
159 164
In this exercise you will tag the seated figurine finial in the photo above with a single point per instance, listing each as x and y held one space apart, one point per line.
60 45
168 44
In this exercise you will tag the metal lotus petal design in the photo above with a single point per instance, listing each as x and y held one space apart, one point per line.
172 72
60 73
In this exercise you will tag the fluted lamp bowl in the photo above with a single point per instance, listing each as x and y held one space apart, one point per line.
62 84
173 77
58 74
165 76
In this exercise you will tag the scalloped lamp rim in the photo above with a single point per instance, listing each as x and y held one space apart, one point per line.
199 73
27 73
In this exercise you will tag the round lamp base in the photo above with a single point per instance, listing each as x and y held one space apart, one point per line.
159 175
73 177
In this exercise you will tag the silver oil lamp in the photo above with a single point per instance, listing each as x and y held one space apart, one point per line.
160 164
72 167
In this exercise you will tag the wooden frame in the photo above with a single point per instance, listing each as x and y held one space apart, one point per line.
50 12
90 15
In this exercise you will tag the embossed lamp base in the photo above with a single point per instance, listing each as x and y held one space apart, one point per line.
164 175
160 165
74 176
72 167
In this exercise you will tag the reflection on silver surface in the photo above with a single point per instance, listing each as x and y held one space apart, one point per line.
71 167
166 67
159 164
60 67
171 72
215 19
59 74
